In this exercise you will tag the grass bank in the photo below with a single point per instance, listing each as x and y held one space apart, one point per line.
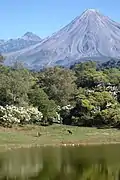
55 135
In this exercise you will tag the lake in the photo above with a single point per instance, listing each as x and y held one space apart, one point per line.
62 163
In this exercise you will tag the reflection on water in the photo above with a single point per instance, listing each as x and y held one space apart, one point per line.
66 163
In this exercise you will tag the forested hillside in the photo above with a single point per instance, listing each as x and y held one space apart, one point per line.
82 96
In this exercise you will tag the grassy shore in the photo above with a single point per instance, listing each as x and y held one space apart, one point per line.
55 135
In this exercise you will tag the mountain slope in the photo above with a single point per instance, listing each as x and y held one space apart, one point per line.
91 35
13 45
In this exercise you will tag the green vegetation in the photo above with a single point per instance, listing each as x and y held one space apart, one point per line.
56 135
81 96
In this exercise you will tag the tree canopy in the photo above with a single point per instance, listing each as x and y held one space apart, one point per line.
82 96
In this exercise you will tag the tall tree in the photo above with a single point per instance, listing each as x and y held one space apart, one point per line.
14 86
39 98
58 83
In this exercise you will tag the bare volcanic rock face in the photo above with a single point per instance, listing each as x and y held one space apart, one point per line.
91 35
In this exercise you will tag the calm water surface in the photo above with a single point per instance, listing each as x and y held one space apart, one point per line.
66 163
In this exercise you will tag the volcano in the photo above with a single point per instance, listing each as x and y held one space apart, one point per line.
90 36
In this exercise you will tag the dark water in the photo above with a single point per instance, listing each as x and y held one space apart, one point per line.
66 163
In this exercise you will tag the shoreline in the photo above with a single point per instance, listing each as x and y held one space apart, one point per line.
19 146
56 136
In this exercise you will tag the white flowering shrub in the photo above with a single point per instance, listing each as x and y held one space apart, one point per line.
35 115
16 115
67 107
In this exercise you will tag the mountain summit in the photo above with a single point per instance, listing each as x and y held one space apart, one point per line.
29 36
13 45
89 36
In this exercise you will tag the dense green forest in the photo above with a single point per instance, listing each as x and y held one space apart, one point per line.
82 95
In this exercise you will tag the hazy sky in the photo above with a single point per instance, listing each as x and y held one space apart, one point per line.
45 17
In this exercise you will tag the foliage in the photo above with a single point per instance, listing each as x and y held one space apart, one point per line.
10 115
113 75
14 86
40 99
58 83
110 116
88 76
82 96
90 106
